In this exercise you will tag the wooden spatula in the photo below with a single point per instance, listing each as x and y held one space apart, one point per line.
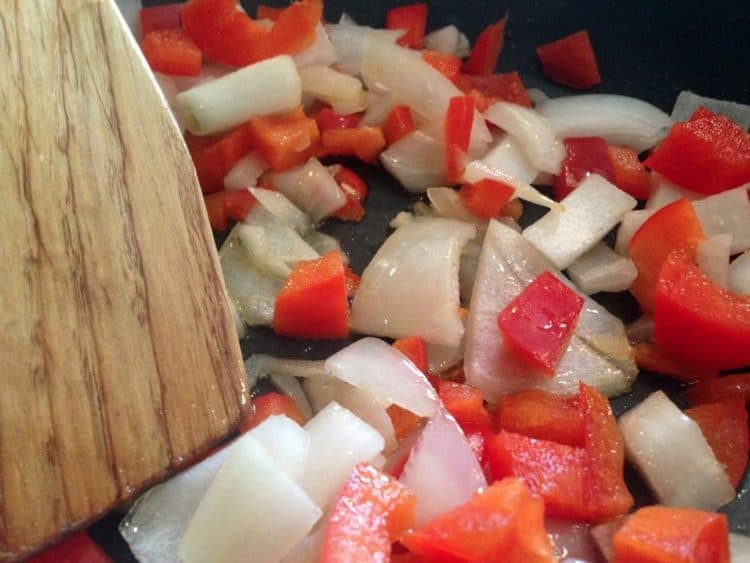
118 356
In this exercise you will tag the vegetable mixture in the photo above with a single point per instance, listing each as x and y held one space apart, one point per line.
471 421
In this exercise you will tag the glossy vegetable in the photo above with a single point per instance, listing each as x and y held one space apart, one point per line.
172 52
727 387
399 123
284 141
458 124
413 19
76 548
486 50
584 156
270 404
570 61
486 198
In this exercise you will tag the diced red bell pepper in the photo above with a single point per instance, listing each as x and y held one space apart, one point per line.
672 227
415 349
584 155
76 548
537 325
708 154
352 281
270 404
355 190
222 206
448 65
214 156
412 18
570 61
505 523
458 123
486 51
170 51
313 302
487 198
628 173
724 424
662 534
399 123
542 415
486 90
155 18
327 119
217 211
649 358
698 322
466 405
285 141
264 12
726 387
371 512
365 143
404 421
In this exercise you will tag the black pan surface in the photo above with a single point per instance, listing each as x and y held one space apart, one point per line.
648 49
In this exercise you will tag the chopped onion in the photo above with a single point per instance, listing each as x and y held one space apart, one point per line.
370 408
321 52
209 72
444 40
442 470
739 274
279 206
537 96
619 119
378 108
273 246
664 192
236 97
504 159
321 390
727 212
311 187
641 329
348 40
381 370
442 358
670 452
323 244
687 102
712 257
286 442
397 458
448 204
467 270
290 386
590 212
246 172
602 269
342 92
339 440
598 353
532 131
224 530
401 219
631 222
263 365
416 160
572 540
410 288
739 548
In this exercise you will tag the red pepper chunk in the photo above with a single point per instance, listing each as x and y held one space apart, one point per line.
570 61
270 404
466 405
726 387
661 534
285 141
413 19
355 190
76 548
584 155
313 301
327 119
398 124
486 51
159 17
698 322
629 173
264 12
505 523
371 511
537 325
214 156
170 51
486 198
414 348
458 123
649 358
223 206
486 90
708 154
448 65
365 143
724 425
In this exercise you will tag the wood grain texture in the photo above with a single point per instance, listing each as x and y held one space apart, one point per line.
118 357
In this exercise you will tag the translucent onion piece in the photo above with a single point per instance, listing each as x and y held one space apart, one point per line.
209 72
442 358
448 204
311 187
286 442
321 390
712 256
641 329
590 212
572 540
263 365
401 219
727 212
342 92
381 370
631 222
598 353
348 40
272 245
339 440
224 530
602 269
323 244
532 131
739 548
278 205
246 172
467 270
537 96
321 52
687 102
290 386
739 274
663 193
236 97
410 288
444 40
504 159
619 119
378 108
442 470
669 450
416 160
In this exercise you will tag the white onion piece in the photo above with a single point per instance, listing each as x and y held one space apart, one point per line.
339 440
572 540
537 96
348 40
739 274
413 81
727 212
323 244
590 212
342 92
442 358
442 470
410 288
505 158
321 390
236 97
467 270
130 10
739 548
273 246
532 131
598 353
157 521
631 222
286 442
664 192
239 325
278 205
687 102
311 187
641 329
263 365
448 204
416 160
347 19
245 173
397 458
478 145
378 108
602 269
209 73
401 219
370 408
669 450
620 120
444 40
321 52
602 534
224 530
381 370
712 256
290 386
